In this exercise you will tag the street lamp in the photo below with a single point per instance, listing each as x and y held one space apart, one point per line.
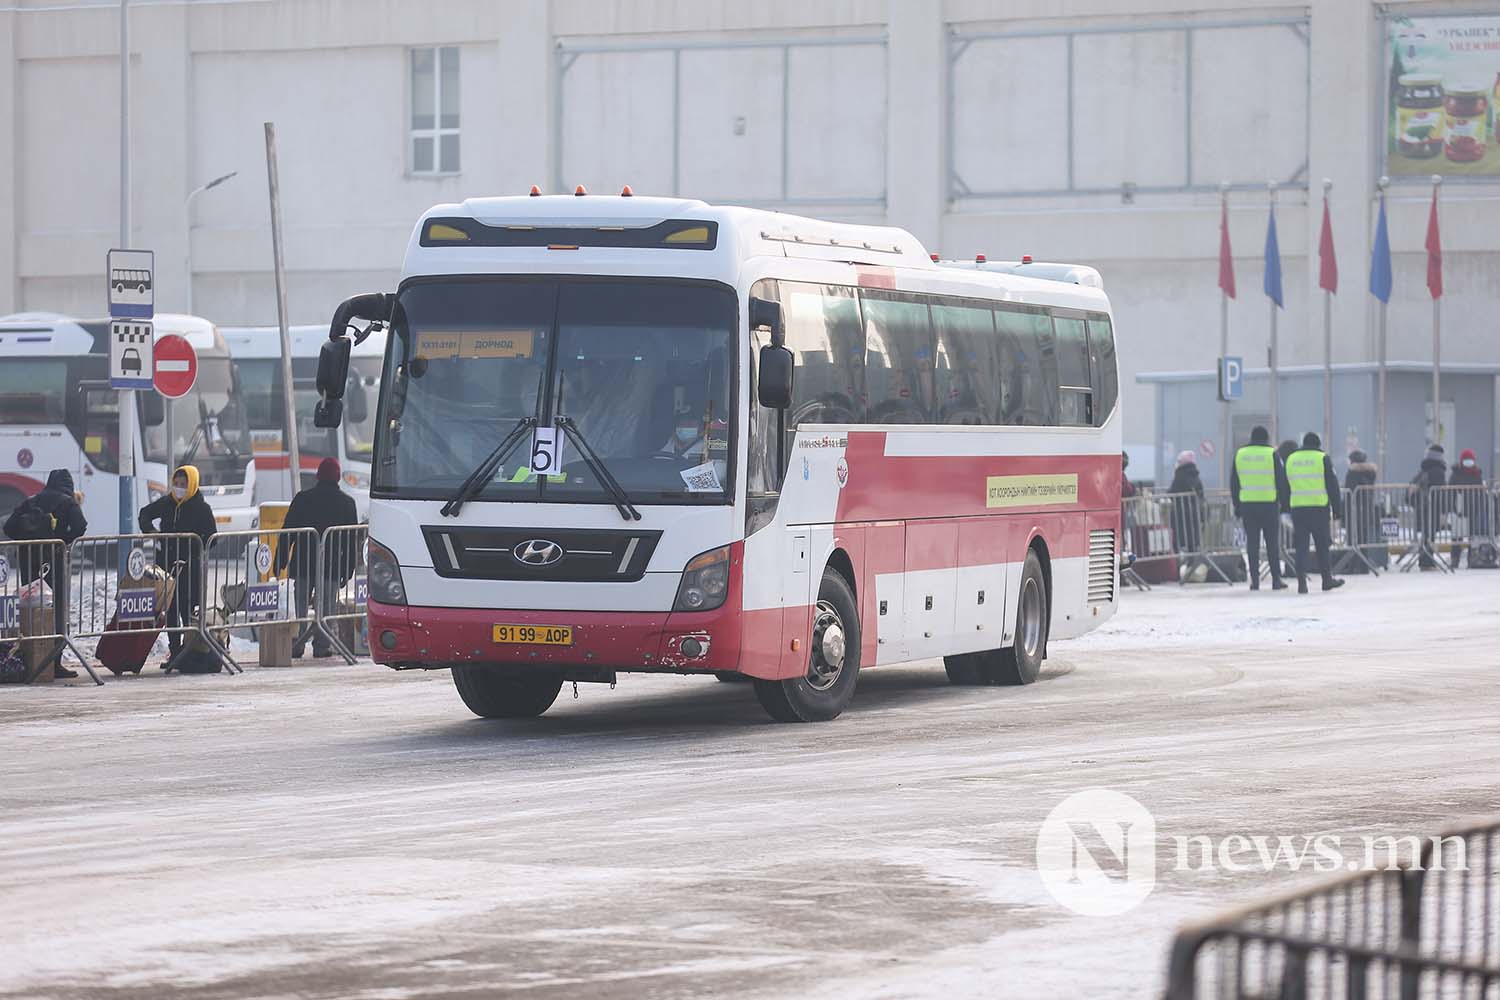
195 193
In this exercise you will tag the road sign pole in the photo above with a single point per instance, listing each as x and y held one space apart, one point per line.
289 399
127 397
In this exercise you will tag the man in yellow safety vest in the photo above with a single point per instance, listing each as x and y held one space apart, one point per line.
1258 489
1314 496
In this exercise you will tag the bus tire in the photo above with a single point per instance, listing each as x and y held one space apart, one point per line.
1021 662
833 661
494 693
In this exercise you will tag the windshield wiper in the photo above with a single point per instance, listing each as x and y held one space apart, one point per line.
600 470
485 471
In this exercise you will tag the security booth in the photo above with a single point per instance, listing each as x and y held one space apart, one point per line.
1188 415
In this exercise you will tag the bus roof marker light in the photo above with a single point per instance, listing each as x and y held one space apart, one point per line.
580 191
1026 258
625 192
934 257
536 192
979 258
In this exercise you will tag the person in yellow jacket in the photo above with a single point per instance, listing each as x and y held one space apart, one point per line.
1314 497
1258 489
183 511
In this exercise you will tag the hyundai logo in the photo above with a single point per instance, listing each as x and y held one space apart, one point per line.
537 552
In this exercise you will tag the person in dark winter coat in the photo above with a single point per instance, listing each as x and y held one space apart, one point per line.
1432 472
1187 511
321 506
1471 506
182 511
53 514
1364 521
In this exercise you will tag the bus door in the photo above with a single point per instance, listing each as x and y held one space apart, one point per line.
99 458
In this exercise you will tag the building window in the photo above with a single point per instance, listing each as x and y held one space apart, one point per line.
434 110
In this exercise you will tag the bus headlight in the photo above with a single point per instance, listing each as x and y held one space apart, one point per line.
705 582
384 575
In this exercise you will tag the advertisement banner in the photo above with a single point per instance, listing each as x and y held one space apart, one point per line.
1443 89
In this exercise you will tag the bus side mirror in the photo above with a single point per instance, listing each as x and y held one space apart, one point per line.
328 413
153 409
767 314
333 368
774 383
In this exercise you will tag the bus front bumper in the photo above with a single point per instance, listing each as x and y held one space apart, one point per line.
679 642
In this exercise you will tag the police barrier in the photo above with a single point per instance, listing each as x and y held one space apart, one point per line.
33 610
1399 519
343 588
1462 516
1427 926
1170 536
256 579
125 590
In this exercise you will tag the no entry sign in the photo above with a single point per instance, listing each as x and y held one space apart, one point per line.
175 366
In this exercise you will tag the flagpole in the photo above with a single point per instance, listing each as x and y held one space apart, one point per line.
1437 342
1225 430
1327 348
1272 354
1381 363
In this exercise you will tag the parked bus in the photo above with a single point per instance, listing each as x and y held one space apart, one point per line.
784 448
257 356
57 411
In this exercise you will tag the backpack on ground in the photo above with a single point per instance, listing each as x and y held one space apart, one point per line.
1483 555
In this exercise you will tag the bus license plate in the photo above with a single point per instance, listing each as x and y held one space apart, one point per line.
534 635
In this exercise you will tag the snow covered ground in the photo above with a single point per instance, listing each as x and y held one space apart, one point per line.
345 832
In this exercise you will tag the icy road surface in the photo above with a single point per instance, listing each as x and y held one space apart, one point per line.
347 832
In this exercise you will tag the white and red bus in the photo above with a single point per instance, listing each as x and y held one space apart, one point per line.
57 411
257 357
791 450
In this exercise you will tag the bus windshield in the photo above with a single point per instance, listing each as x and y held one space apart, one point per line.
208 425
643 368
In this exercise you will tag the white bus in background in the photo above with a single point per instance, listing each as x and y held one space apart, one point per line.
57 411
791 450
257 354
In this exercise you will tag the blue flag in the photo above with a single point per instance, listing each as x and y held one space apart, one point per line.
1273 261
1380 259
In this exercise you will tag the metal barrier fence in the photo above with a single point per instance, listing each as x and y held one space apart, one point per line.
150 584
33 609
1429 927
262 580
1168 535
343 588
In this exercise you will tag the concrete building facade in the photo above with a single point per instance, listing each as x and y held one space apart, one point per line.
1095 131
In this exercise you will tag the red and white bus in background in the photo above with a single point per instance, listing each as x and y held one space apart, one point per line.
643 434
257 356
57 411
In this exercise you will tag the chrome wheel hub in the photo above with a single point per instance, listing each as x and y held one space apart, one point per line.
828 648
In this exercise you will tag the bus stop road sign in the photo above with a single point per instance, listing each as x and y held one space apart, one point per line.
131 276
130 354
176 366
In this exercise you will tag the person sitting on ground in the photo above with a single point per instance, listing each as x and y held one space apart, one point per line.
54 514
321 506
182 511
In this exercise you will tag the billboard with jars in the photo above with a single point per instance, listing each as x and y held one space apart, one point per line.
1443 104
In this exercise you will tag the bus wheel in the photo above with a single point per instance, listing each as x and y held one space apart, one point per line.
1021 662
833 662
499 694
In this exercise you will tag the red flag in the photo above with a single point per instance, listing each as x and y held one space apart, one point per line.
1434 251
1226 259
1328 265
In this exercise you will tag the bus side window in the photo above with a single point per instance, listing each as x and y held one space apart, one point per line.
1106 374
898 358
824 332
1074 382
968 356
1029 366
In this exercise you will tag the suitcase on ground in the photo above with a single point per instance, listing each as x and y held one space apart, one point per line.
124 647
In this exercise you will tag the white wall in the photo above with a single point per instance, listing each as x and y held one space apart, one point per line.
867 136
